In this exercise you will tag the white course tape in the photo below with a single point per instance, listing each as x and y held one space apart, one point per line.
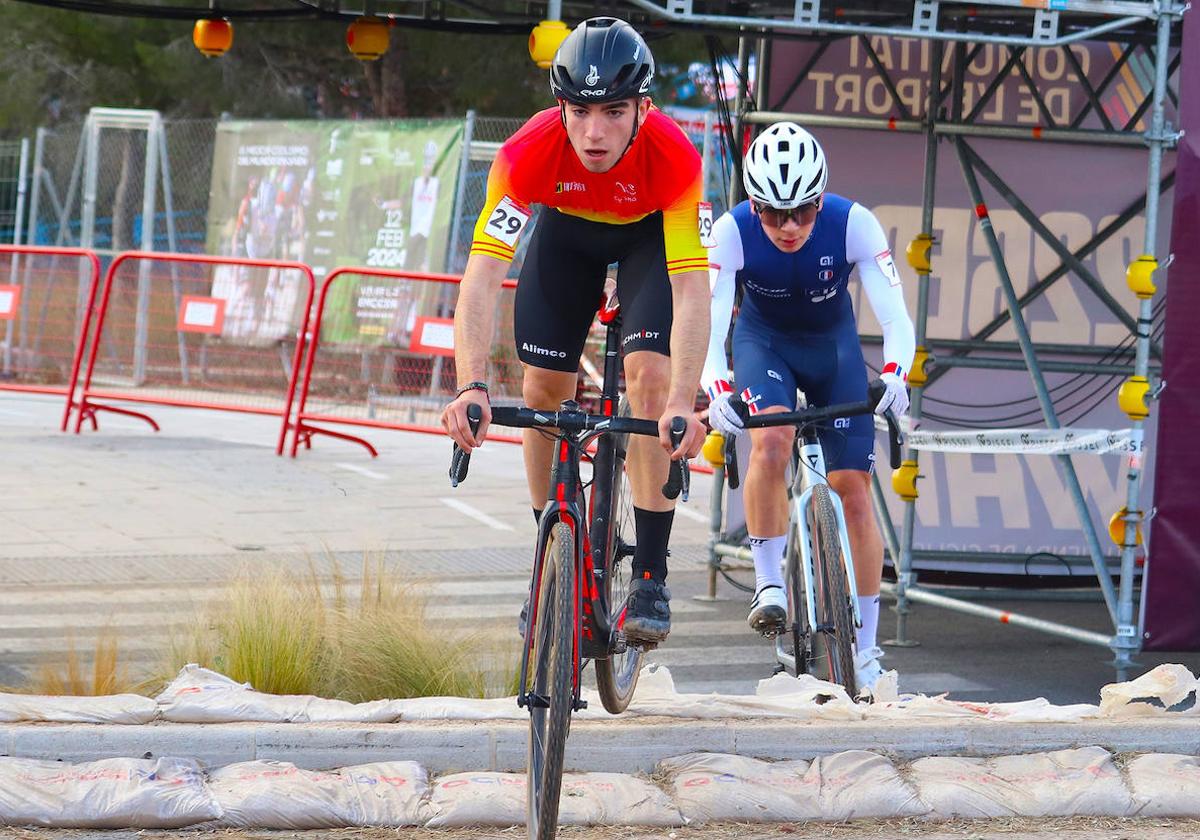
1031 441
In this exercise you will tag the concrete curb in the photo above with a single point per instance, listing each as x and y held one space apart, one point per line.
597 746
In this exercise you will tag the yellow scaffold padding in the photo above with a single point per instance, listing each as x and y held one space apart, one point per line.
917 376
714 449
904 481
368 38
1132 397
918 253
1117 526
213 36
1140 276
545 40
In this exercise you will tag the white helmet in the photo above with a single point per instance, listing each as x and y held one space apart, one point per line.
785 167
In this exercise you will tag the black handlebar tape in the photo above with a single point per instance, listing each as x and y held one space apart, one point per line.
677 478
875 392
460 459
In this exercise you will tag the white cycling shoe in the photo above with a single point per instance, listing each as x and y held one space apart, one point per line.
867 670
768 611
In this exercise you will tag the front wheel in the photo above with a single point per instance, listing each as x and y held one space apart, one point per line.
833 644
551 692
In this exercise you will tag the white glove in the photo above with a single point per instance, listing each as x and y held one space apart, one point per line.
721 414
895 397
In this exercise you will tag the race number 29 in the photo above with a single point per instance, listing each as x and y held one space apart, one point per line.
507 221
705 221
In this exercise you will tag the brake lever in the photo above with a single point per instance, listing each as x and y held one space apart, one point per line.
679 478
460 459
895 438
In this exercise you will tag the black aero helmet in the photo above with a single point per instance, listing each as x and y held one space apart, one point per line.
603 60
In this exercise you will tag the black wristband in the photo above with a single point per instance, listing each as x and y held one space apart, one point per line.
472 386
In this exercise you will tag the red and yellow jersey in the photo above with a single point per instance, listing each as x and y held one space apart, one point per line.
537 165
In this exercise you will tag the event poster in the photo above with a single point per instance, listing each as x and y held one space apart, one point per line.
331 194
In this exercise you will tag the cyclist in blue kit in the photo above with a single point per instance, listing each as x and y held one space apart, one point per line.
790 249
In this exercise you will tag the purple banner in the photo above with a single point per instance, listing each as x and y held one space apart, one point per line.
1173 585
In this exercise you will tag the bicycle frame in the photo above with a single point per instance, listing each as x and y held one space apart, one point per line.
595 636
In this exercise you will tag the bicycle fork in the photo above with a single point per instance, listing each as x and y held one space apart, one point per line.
812 473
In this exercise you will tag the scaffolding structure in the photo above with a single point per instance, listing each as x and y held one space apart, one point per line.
1140 27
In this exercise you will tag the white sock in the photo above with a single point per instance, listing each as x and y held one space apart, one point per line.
868 607
768 561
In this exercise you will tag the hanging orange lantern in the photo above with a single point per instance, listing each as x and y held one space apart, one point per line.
213 36
367 38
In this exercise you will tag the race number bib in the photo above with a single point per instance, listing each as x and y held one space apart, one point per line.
507 221
888 266
705 221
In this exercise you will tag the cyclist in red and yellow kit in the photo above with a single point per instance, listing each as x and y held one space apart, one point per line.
621 184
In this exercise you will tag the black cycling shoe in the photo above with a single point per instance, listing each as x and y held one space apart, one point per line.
648 616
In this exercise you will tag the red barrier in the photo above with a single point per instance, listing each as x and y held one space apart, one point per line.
389 362
44 327
199 332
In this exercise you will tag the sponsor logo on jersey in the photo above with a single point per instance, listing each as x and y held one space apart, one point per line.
569 186
841 423
625 192
826 260
542 351
593 75
649 335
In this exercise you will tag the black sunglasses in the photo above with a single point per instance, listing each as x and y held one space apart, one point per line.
805 214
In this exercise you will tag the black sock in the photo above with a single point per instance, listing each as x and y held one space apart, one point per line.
653 529
537 516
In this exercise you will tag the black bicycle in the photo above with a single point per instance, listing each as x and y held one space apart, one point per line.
580 585
818 567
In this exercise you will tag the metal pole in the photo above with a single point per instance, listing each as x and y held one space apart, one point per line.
1127 642
1039 383
35 204
1091 137
993 363
1064 253
464 162
14 267
739 118
1004 617
164 161
149 193
460 190
904 572
716 524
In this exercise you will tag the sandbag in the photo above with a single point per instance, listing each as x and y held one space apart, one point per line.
1080 782
1165 785
111 793
198 695
499 799
113 708
711 787
279 795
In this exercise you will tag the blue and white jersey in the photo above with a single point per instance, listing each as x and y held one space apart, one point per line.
805 293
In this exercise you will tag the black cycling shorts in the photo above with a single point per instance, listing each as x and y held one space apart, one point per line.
562 280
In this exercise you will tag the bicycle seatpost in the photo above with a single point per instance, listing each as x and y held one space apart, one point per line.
459 458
